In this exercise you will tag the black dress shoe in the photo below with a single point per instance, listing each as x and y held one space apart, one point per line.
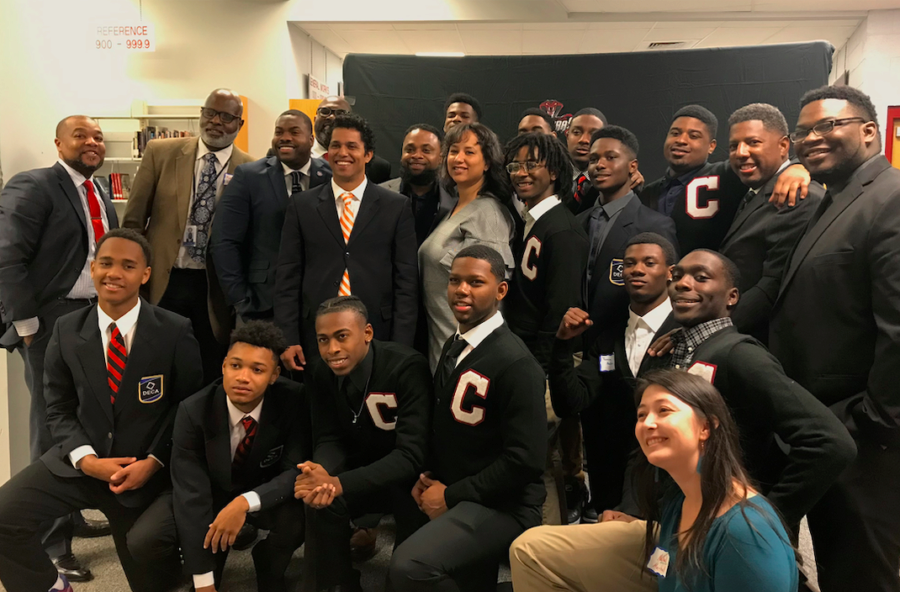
245 538
69 566
90 529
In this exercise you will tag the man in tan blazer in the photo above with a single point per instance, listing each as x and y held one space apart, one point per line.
173 202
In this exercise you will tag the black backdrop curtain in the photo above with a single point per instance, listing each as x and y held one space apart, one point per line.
639 91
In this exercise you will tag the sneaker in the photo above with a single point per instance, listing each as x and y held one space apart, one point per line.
589 515
71 569
66 586
574 500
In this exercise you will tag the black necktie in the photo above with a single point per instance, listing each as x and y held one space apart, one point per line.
295 182
448 362
744 201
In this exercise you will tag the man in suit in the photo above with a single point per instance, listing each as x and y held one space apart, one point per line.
45 274
378 170
461 108
250 215
173 199
114 375
581 129
371 408
762 235
347 236
236 447
835 329
610 224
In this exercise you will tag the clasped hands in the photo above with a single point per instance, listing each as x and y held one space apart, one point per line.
315 486
122 473
429 496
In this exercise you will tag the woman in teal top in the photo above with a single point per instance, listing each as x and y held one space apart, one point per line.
716 533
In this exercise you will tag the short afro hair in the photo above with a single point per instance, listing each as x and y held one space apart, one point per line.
131 235
354 122
260 334
539 113
651 238
549 150
771 118
628 139
463 98
300 115
732 273
861 102
703 114
343 304
591 111
425 127
485 253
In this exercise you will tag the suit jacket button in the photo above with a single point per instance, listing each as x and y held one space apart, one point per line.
109 435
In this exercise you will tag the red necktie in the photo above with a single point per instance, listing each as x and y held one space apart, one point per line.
94 209
581 187
243 449
116 358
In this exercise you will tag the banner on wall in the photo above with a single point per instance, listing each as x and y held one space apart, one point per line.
316 89
122 37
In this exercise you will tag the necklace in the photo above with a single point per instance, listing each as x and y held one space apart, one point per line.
363 404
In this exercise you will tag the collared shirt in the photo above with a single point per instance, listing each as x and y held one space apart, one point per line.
673 186
184 259
687 340
424 207
479 333
640 332
534 214
319 151
358 193
289 180
600 219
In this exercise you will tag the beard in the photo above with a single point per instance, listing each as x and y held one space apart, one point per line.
224 142
423 179
85 170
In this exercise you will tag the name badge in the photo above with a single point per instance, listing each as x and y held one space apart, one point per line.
703 370
617 272
226 179
150 389
607 363
272 457
659 562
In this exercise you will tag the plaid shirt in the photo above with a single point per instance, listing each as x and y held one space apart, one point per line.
686 341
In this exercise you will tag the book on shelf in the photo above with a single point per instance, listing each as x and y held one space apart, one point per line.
103 183
115 185
152 132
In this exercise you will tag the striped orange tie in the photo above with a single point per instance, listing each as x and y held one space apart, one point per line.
347 218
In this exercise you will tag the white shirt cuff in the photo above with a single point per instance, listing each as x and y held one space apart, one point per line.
253 499
202 580
157 460
27 327
79 453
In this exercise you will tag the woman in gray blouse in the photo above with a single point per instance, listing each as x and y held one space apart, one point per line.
473 166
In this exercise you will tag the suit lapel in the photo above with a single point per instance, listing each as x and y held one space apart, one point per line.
142 352
648 363
328 211
219 445
368 207
184 181
275 172
93 361
266 434
71 192
756 202
622 357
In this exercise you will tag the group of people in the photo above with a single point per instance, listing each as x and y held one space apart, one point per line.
504 341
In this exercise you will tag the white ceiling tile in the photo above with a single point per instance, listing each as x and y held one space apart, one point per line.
677 34
375 42
611 41
791 34
551 42
341 26
491 42
424 26
331 40
421 41
613 26
314 26
687 24
729 37
555 26
489 26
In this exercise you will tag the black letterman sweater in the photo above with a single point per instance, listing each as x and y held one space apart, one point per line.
489 443
547 280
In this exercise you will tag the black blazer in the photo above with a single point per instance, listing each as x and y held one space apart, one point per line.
43 243
79 411
605 293
836 321
381 256
766 403
378 170
246 233
759 242
201 460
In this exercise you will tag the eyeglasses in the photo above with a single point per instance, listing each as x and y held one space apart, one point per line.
822 129
328 111
224 117
528 166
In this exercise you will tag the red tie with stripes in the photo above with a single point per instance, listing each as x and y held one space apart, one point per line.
116 358
243 449
94 209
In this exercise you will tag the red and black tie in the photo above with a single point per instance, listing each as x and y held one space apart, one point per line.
243 449
581 187
116 358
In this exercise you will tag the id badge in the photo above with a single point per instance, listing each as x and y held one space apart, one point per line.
659 562
607 362
190 236
226 179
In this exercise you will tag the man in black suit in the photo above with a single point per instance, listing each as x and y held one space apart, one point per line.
762 235
610 224
114 375
236 447
378 170
347 236
371 408
246 233
46 274
835 328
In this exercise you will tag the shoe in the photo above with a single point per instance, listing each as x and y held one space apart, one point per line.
589 515
245 538
71 570
363 544
574 500
66 586
90 529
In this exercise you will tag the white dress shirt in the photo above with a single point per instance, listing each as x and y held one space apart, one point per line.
304 180
534 214
318 150
479 333
354 203
184 259
238 432
127 325
84 285
640 332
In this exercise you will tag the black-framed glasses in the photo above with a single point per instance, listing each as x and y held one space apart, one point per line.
823 128
223 117
528 166
329 111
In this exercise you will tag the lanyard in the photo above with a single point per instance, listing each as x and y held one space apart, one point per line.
196 184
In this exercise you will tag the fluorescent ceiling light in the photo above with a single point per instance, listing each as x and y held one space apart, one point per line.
440 54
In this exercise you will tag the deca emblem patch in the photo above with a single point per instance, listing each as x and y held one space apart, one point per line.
150 389
617 272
